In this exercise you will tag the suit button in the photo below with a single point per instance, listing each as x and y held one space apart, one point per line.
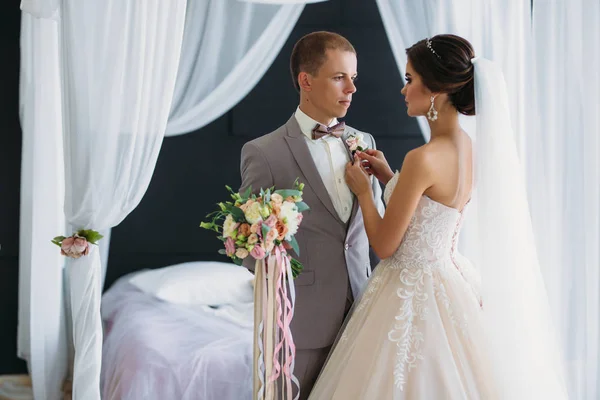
346 246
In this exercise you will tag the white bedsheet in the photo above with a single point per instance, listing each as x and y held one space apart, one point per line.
156 350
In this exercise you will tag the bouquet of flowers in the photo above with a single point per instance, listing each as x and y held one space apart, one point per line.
263 227
253 225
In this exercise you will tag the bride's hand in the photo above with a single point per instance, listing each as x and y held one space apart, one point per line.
376 164
357 178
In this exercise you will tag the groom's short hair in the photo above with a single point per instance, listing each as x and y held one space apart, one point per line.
310 52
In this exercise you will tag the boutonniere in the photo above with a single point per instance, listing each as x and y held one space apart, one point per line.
355 142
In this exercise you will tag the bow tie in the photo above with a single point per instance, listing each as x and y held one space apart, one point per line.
321 130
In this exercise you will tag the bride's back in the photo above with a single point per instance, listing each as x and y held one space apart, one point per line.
452 166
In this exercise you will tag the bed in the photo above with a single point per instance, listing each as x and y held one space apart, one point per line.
181 349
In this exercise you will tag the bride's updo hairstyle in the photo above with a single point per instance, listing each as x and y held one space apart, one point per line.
444 64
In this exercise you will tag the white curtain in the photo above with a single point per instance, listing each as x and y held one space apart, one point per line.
228 46
282 1
41 8
42 321
119 63
563 161
41 338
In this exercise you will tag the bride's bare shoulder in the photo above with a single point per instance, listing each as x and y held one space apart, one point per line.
419 160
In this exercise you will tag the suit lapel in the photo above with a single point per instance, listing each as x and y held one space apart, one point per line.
297 143
354 199
344 137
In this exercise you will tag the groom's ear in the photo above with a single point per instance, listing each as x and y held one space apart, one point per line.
304 81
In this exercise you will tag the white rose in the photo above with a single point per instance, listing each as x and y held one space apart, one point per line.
253 238
229 226
252 213
360 141
289 216
276 198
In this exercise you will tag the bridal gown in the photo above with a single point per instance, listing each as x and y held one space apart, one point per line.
416 331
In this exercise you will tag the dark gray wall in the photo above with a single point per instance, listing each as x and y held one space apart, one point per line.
192 169
10 170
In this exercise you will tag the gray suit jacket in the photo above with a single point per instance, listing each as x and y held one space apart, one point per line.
335 254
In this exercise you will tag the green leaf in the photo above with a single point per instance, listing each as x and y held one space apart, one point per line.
302 206
58 242
238 214
297 267
247 193
223 251
288 192
90 235
294 243
265 230
238 261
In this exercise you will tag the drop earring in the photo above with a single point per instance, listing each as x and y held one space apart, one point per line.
432 114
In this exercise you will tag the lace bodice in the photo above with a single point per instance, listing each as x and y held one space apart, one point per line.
432 233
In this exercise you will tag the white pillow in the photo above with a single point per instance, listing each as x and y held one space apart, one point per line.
198 283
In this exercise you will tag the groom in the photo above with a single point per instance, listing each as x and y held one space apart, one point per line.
312 146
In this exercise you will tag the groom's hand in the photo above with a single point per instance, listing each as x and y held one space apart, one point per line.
375 164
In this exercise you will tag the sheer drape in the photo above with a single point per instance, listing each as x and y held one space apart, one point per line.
564 168
41 8
42 320
228 46
119 66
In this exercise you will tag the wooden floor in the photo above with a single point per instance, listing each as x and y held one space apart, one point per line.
15 387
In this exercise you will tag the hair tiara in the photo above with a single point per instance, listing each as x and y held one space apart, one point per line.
430 47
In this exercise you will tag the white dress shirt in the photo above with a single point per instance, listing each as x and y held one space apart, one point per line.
330 156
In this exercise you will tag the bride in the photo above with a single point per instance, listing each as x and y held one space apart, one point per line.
430 324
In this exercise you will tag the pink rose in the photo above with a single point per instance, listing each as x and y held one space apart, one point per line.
229 247
272 235
270 240
258 252
241 253
352 143
271 221
74 247
257 228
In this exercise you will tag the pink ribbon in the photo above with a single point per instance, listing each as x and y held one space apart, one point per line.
284 318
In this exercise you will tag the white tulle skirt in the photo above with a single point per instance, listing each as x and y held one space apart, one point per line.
415 334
